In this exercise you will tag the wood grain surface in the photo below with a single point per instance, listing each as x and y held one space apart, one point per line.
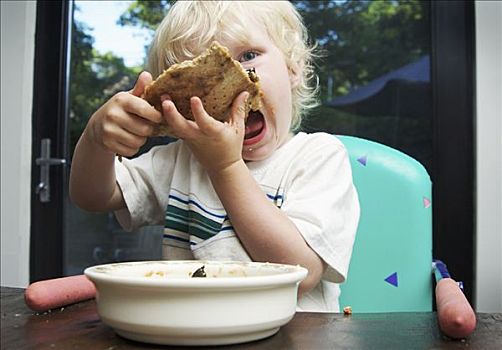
79 327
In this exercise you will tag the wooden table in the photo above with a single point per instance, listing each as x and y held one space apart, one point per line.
79 327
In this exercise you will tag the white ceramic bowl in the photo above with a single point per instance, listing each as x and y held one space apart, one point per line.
159 302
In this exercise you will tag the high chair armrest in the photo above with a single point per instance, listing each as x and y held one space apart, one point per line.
456 317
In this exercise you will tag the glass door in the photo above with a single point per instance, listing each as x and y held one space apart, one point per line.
87 57
375 83
106 58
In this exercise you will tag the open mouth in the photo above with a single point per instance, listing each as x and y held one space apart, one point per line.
255 128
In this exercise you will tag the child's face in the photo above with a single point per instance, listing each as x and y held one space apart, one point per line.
269 128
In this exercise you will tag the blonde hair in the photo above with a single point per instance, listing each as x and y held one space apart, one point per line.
190 26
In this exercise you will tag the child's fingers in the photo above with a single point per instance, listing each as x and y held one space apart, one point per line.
113 131
122 142
120 148
137 126
182 127
203 120
123 150
117 116
137 106
238 114
144 78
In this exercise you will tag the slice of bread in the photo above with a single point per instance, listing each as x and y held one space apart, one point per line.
214 77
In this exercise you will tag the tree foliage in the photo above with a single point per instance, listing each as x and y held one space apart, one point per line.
145 14
362 40
359 40
95 77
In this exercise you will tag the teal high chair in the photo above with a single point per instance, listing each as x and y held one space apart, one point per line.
390 270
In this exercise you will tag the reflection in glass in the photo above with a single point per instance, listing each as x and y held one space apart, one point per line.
374 72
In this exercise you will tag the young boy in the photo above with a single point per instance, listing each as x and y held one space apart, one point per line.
241 190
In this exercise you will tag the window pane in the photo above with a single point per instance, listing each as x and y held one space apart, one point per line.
106 57
375 72
374 76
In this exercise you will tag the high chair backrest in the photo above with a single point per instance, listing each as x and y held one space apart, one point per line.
390 270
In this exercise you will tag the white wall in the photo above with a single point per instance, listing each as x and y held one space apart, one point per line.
489 155
17 40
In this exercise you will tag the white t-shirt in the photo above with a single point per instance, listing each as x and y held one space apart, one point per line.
309 178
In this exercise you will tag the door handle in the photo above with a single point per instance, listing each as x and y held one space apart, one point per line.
45 162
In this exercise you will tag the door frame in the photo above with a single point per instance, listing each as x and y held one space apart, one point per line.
453 141
453 79
50 107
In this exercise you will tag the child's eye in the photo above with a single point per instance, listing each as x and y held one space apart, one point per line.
248 56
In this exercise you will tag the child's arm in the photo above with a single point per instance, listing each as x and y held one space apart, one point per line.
262 227
120 126
266 232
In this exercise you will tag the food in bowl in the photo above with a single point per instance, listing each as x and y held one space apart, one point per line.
163 302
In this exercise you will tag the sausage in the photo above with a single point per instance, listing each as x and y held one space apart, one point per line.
455 315
54 293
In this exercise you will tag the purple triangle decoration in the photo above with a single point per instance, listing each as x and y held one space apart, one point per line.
363 160
427 202
392 279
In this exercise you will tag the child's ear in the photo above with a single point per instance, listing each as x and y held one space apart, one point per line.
294 75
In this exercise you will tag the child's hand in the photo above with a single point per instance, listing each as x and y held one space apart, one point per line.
217 145
123 123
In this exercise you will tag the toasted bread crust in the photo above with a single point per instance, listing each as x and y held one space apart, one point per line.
214 77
